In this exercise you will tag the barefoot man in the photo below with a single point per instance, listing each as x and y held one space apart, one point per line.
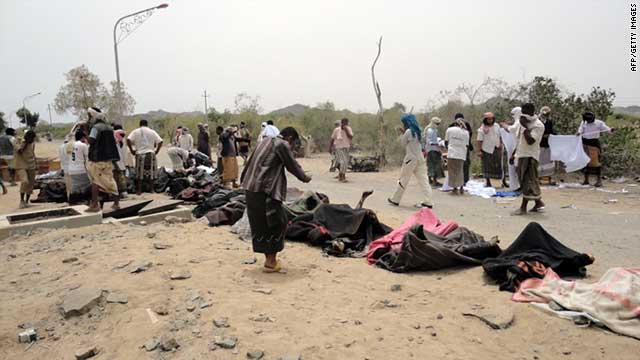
103 151
528 134
265 183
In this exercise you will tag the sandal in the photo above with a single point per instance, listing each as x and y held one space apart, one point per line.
270 270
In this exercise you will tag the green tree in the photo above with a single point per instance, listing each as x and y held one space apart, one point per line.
84 89
27 117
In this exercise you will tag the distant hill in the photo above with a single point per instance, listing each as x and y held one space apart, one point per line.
295 109
160 114
629 110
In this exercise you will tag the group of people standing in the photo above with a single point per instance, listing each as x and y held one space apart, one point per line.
528 158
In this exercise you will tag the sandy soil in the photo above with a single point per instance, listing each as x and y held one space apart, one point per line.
324 307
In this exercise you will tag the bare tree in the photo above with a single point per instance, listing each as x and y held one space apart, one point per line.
376 89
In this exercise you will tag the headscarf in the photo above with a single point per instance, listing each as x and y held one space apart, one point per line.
95 113
263 125
589 117
409 121
458 116
486 128
515 113
433 124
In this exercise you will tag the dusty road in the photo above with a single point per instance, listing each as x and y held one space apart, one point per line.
324 307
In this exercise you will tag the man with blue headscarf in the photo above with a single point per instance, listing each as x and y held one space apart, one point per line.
413 163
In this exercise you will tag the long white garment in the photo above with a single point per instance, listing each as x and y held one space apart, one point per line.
509 142
569 150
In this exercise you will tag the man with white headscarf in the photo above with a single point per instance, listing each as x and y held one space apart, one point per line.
509 142
528 134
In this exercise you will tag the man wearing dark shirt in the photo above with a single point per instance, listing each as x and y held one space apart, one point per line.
103 151
229 160
265 182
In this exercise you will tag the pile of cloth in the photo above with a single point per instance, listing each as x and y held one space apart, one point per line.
612 302
530 255
191 186
338 229
52 188
423 242
221 206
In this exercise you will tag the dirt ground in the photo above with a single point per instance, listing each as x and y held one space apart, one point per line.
323 307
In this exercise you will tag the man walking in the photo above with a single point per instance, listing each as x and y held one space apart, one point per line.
144 143
340 144
103 151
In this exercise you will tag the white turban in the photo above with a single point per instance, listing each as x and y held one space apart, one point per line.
95 113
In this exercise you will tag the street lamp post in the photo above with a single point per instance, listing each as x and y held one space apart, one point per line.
24 101
135 20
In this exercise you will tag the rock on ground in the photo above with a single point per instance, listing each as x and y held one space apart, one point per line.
80 301
86 353
119 298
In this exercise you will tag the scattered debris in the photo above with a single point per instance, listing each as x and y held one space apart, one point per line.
384 304
118 298
152 316
168 343
611 201
122 265
140 267
291 357
181 275
80 301
151 344
432 330
262 318
221 322
159 246
265 291
151 235
570 206
396 287
86 353
250 261
619 180
176 220
160 308
27 336
69 260
255 355
191 307
205 305
495 320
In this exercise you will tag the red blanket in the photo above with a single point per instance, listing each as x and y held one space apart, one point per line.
393 240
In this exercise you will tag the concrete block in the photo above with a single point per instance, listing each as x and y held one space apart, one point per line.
70 217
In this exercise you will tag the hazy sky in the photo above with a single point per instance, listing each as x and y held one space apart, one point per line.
308 51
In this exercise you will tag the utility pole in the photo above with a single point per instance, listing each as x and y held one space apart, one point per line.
50 118
206 109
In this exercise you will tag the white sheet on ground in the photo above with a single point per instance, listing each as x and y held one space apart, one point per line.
569 150
476 188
